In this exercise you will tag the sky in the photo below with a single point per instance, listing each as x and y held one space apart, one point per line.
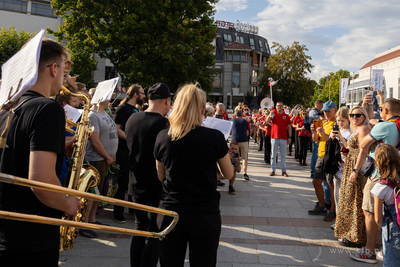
339 34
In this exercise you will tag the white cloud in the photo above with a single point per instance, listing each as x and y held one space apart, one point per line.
318 71
235 5
346 33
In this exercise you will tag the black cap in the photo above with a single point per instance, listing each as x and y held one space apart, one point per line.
159 91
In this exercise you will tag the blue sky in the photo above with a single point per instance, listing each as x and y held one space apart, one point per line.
339 34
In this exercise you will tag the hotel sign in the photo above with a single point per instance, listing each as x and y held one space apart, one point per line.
240 27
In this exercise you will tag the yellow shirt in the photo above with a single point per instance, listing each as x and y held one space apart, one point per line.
328 126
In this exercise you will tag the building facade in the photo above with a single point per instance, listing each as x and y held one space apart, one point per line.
241 56
389 62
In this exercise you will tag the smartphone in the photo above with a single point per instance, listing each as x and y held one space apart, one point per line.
236 155
335 128
316 124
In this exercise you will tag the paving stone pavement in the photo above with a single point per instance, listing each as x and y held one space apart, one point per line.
265 224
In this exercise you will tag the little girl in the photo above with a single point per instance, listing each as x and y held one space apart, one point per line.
388 163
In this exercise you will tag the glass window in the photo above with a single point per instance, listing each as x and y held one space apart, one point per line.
261 45
391 92
243 57
241 39
255 73
43 10
14 5
235 79
254 90
236 55
228 55
266 47
217 79
251 41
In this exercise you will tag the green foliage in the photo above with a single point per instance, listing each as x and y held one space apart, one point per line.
289 66
11 42
84 64
146 41
321 90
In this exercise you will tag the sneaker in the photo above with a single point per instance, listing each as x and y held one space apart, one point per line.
231 190
330 216
379 255
119 218
333 226
246 177
363 255
219 183
317 211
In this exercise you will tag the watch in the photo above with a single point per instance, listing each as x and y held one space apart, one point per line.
356 171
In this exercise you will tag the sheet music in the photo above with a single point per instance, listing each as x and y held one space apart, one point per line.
23 65
104 91
223 126
73 114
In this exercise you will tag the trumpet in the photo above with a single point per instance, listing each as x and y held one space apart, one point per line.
6 178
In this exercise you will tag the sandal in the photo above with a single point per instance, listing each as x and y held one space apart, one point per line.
345 242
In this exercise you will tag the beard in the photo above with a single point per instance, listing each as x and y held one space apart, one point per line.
139 102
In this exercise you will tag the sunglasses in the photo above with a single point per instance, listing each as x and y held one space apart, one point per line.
355 115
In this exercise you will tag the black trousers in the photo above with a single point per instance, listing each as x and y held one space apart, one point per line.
292 141
145 250
296 144
201 230
303 140
123 179
48 258
261 140
267 149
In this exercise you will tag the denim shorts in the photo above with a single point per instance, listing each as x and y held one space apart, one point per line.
391 247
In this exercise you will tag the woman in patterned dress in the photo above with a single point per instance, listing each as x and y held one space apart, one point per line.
350 223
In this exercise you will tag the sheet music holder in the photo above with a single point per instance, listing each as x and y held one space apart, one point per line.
104 91
20 72
223 126
73 114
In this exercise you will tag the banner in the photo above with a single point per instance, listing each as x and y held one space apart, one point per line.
377 79
344 86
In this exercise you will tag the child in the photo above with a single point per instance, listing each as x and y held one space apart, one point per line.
388 163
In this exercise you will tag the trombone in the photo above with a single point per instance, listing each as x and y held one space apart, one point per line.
10 179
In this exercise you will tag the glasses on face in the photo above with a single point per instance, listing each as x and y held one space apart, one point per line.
279 105
357 115
245 109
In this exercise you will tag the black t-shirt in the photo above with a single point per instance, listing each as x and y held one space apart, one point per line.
141 131
190 184
121 116
37 124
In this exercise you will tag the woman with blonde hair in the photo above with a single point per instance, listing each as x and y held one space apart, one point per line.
350 222
187 155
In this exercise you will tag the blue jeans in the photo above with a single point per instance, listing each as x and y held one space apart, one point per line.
391 247
314 157
274 152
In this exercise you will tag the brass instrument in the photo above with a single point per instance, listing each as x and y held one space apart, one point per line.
6 178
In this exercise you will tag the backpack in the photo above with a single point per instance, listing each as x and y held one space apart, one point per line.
396 195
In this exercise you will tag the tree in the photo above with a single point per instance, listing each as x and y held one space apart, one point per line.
289 66
146 41
321 90
11 42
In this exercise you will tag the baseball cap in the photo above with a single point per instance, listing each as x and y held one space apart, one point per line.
328 105
159 91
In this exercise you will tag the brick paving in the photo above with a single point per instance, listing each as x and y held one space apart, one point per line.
265 224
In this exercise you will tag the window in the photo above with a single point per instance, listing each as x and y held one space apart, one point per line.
261 45
228 55
391 92
267 48
43 10
235 79
236 55
14 5
110 73
243 57
252 43
240 39
254 77
217 79
254 90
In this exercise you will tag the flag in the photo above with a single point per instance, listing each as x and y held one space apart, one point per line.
344 86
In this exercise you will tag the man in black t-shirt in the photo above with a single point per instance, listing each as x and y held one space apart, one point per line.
141 131
135 95
34 150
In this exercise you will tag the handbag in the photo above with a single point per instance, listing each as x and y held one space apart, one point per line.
368 167
110 187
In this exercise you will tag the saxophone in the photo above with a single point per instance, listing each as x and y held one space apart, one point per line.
80 177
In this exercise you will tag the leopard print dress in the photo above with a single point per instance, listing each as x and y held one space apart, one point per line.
350 221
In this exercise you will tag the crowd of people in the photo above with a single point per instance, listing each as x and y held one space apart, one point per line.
168 159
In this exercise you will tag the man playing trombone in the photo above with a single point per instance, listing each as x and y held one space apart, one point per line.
35 149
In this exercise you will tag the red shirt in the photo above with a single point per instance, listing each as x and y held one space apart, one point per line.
261 121
296 120
303 132
224 116
247 116
279 125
